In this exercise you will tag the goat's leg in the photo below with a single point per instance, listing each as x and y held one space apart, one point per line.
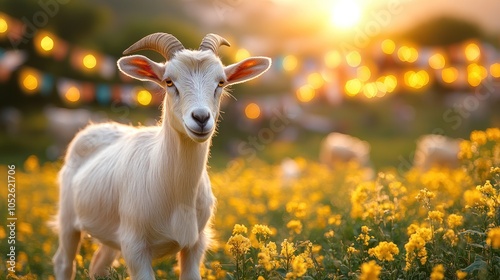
101 261
137 256
190 259
64 259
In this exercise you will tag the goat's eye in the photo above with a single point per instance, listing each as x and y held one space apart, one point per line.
221 83
169 83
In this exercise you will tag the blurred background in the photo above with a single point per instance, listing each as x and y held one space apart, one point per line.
384 71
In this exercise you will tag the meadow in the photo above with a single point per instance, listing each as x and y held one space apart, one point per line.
313 223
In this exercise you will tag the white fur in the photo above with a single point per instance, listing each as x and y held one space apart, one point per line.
145 190
436 150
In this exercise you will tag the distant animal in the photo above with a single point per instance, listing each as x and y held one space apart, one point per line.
338 148
435 150
10 120
145 190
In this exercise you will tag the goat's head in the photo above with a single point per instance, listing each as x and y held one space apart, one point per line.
194 80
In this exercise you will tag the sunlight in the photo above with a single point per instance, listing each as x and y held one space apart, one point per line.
345 13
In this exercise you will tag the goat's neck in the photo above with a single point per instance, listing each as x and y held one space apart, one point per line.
184 161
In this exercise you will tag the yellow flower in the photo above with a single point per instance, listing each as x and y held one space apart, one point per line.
437 272
238 244
298 209
493 134
239 229
295 226
32 164
384 251
451 237
329 234
370 271
461 274
299 267
479 137
493 238
352 250
266 256
465 150
364 236
262 232
455 220
436 216
287 249
261 278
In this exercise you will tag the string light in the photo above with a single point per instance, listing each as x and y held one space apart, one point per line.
407 54
495 70
47 43
370 90
416 80
315 80
144 97
89 61
472 52
252 111
363 73
476 74
353 87
390 82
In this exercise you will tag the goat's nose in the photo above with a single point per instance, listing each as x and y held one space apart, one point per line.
201 116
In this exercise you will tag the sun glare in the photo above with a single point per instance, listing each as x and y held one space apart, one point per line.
345 13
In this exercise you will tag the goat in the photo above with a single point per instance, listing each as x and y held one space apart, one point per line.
338 148
145 191
434 150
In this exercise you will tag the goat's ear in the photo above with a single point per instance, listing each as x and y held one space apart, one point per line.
142 68
247 69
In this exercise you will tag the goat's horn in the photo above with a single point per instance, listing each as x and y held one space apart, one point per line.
212 42
163 43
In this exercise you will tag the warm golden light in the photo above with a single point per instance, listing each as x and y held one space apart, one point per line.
345 13
390 82
370 90
332 59
476 74
241 54
30 82
353 58
407 54
89 61
388 46
416 80
252 111
47 43
353 87
363 73
4 26
437 61
449 75
381 89
306 93
144 97
495 70
472 52
290 63
315 80
72 94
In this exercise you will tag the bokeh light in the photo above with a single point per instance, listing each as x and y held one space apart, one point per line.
353 87
47 43
144 97
252 111
437 61
306 93
407 54
72 94
332 59
89 61
388 46
241 54
476 74
472 52
353 58
363 73
315 80
495 70
4 26
29 80
449 75
416 80
290 63
370 90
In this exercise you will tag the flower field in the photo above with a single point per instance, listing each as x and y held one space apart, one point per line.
316 223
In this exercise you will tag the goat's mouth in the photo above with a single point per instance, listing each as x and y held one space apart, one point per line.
199 136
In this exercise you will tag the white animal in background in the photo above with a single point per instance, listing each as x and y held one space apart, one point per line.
63 124
10 120
435 150
339 148
145 190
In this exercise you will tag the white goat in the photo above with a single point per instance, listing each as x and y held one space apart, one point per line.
436 150
342 148
145 191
